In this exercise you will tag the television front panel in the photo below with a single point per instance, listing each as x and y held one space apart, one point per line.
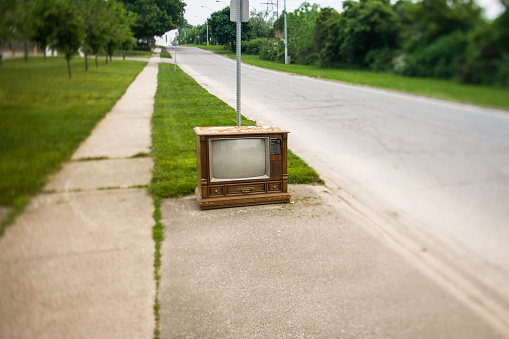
239 166
239 159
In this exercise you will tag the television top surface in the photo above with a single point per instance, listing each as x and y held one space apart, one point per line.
236 130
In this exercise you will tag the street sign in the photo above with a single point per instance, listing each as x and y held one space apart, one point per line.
244 10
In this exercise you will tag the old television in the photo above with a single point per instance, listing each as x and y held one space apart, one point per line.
241 165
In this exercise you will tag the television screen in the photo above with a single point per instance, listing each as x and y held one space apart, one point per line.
237 159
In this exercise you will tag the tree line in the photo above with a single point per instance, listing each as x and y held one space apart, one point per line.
87 26
449 39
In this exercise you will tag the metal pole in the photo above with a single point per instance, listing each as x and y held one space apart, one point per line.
207 33
238 60
286 40
175 50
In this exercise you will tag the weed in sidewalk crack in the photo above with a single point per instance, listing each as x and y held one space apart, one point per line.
141 155
92 159
158 236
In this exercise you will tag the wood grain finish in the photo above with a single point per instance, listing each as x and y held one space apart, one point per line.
233 193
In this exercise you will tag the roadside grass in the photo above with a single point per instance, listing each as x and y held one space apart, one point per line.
45 116
164 53
158 237
140 54
180 105
299 172
489 96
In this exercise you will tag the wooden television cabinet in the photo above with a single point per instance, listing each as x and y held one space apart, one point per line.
241 165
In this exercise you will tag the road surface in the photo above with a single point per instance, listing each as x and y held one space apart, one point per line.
430 176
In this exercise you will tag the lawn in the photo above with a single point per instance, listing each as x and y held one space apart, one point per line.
489 96
140 54
165 53
180 105
45 116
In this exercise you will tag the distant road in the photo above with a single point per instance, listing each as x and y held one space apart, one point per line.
429 174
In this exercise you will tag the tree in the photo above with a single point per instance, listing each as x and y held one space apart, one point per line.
126 44
119 29
155 17
43 14
95 43
435 36
440 59
183 33
365 34
260 25
21 24
325 19
95 18
69 31
6 20
300 31
224 30
486 59
429 20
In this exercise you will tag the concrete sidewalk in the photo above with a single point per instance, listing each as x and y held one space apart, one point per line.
304 270
78 263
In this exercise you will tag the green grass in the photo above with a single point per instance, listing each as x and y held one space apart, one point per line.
140 54
180 105
299 172
158 237
45 116
165 54
489 96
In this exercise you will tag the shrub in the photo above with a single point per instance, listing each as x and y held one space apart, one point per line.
273 50
254 47
440 59
486 60
312 59
480 66
379 59
501 77
398 63
142 48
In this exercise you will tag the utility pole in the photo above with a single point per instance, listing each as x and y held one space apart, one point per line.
286 40
207 22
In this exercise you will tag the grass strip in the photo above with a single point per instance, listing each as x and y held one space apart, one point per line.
165 53
180 105
45 116
497 97
140 54
158 237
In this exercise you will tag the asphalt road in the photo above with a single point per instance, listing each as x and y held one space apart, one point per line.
431 176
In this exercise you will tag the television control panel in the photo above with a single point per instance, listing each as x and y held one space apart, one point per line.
276 145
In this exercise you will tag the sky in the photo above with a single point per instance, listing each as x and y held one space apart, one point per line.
195 14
